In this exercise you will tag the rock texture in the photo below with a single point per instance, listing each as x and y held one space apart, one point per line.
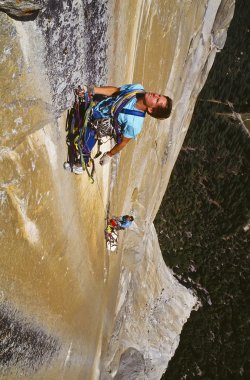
151 310
22 9
120 315
18 334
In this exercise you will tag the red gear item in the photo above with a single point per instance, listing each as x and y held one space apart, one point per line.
113 223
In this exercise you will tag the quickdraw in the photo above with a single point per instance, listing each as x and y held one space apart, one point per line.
76 125
90 165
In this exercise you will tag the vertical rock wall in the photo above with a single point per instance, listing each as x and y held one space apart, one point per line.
94 316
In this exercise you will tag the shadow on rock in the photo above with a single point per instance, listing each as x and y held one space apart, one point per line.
131 366
22 10
24 346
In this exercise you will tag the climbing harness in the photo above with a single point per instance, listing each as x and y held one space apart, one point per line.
84 129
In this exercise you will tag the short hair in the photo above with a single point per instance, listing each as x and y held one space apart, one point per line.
162 113
129 217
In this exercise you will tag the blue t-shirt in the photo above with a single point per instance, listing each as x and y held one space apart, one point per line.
131 124
124 223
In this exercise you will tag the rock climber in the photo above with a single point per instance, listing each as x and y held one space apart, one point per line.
121 222
126 107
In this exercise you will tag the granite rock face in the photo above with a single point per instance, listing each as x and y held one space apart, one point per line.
18 334
21 10
120 315
221 23
131 365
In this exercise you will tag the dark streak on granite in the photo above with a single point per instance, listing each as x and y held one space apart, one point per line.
75 46
23 345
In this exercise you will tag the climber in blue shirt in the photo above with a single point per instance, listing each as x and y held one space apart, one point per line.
130 115
121 222
125 107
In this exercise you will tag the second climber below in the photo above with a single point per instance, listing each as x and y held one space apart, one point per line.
121 222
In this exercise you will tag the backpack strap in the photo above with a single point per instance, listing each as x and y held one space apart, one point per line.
122 101
132 112
119 107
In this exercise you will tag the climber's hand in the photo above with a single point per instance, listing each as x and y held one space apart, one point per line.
105 159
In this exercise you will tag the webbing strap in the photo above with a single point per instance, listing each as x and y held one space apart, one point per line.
122 101
118 107
133 112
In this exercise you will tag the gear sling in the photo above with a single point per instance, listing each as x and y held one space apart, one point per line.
85 127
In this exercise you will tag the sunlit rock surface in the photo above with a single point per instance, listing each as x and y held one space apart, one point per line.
99 316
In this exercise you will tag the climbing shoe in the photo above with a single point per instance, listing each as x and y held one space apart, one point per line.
75 169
